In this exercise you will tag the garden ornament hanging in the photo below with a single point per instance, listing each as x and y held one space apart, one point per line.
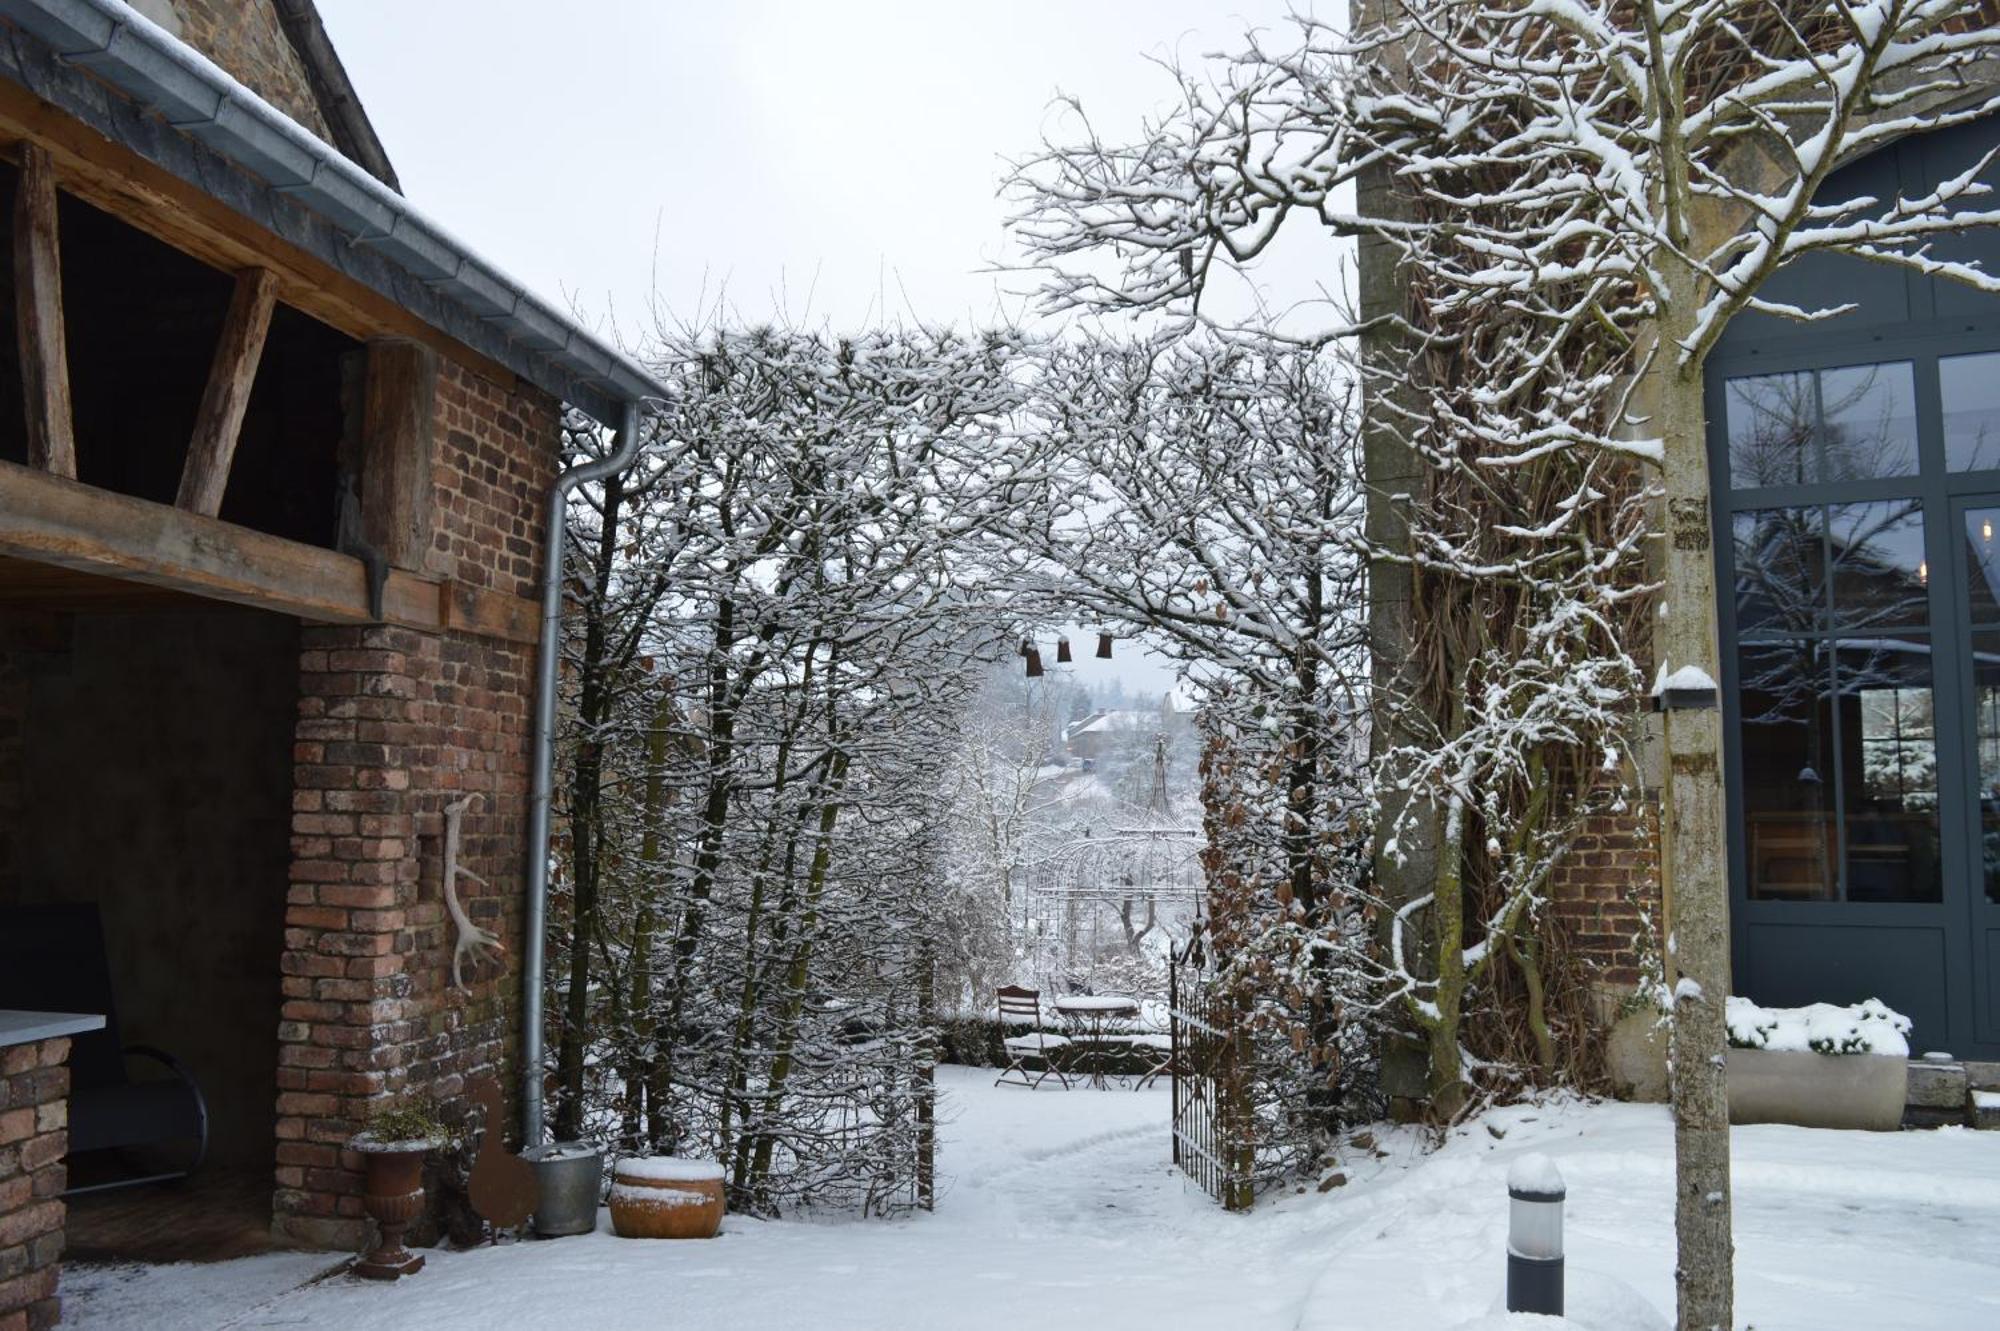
480 944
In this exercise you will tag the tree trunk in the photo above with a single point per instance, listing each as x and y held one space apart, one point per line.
1446 1087
586 794
797 980
643 1108
1694 884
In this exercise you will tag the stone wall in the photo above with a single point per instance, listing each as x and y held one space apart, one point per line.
244 37
393 725
34 1136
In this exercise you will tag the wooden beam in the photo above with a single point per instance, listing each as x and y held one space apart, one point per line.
231 375
491 614
398 427
117 180
52 520
38 317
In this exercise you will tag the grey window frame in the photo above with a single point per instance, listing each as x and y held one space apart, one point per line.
1943 494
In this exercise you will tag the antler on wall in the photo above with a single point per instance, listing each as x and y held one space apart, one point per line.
480 944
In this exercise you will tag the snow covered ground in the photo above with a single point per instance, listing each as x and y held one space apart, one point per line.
1061 1212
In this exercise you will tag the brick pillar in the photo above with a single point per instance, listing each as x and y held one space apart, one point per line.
393 724
34 1138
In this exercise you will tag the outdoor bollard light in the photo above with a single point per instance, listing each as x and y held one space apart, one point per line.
1535 1236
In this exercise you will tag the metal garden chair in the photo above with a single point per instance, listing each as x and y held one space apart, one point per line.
1018 1006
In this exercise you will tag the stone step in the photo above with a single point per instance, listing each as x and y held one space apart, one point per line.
1945 1091
1937 1094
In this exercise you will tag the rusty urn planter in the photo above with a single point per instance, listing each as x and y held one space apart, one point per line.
661 1197
392 1193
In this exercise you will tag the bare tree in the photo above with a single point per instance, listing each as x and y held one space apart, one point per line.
1602 187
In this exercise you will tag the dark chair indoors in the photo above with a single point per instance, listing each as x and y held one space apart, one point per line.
52 959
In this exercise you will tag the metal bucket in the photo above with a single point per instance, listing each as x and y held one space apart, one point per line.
571 1175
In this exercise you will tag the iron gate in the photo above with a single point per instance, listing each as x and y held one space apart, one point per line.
1212 1121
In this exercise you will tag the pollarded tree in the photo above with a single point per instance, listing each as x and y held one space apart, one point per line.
1209 498
756 978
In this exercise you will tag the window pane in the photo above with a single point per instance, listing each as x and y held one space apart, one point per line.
1889 771
1982 564
1771 421
1869 415
1786 739
1986 735
1971 389
1780 558
1880 577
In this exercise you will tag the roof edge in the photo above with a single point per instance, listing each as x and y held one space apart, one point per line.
109 67
353 132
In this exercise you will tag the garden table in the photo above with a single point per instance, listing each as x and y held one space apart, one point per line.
1093 1017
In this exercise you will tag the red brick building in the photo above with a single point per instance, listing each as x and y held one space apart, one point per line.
251 381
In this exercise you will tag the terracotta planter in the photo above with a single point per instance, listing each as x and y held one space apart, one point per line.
393 1196
660 1197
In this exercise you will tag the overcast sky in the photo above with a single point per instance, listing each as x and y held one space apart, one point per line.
836 160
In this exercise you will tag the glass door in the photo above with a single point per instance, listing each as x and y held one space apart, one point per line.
1976 533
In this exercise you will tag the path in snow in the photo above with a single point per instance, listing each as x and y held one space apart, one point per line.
1060 1212
1057 1209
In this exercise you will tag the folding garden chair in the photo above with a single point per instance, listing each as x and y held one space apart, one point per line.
1018 1006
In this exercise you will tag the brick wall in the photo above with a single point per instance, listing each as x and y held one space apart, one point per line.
34 1136
393 725
1606 893
243 36
494 464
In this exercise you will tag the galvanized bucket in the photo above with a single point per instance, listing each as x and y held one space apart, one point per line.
571 1175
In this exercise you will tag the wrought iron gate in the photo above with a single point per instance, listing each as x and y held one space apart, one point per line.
1212 1121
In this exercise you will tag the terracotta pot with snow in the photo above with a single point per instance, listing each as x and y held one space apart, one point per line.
1818 1066
662 1197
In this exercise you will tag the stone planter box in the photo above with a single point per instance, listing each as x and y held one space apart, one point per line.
1809 1090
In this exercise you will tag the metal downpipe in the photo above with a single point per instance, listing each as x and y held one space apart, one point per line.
541 780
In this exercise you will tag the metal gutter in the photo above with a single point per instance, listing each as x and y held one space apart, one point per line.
541 774
194 96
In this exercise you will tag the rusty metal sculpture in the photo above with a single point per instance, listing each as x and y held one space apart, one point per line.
503 1187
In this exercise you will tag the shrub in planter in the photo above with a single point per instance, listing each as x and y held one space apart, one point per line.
394 1144
1818 1066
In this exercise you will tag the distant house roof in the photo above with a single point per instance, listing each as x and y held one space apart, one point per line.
1124 721
130 80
